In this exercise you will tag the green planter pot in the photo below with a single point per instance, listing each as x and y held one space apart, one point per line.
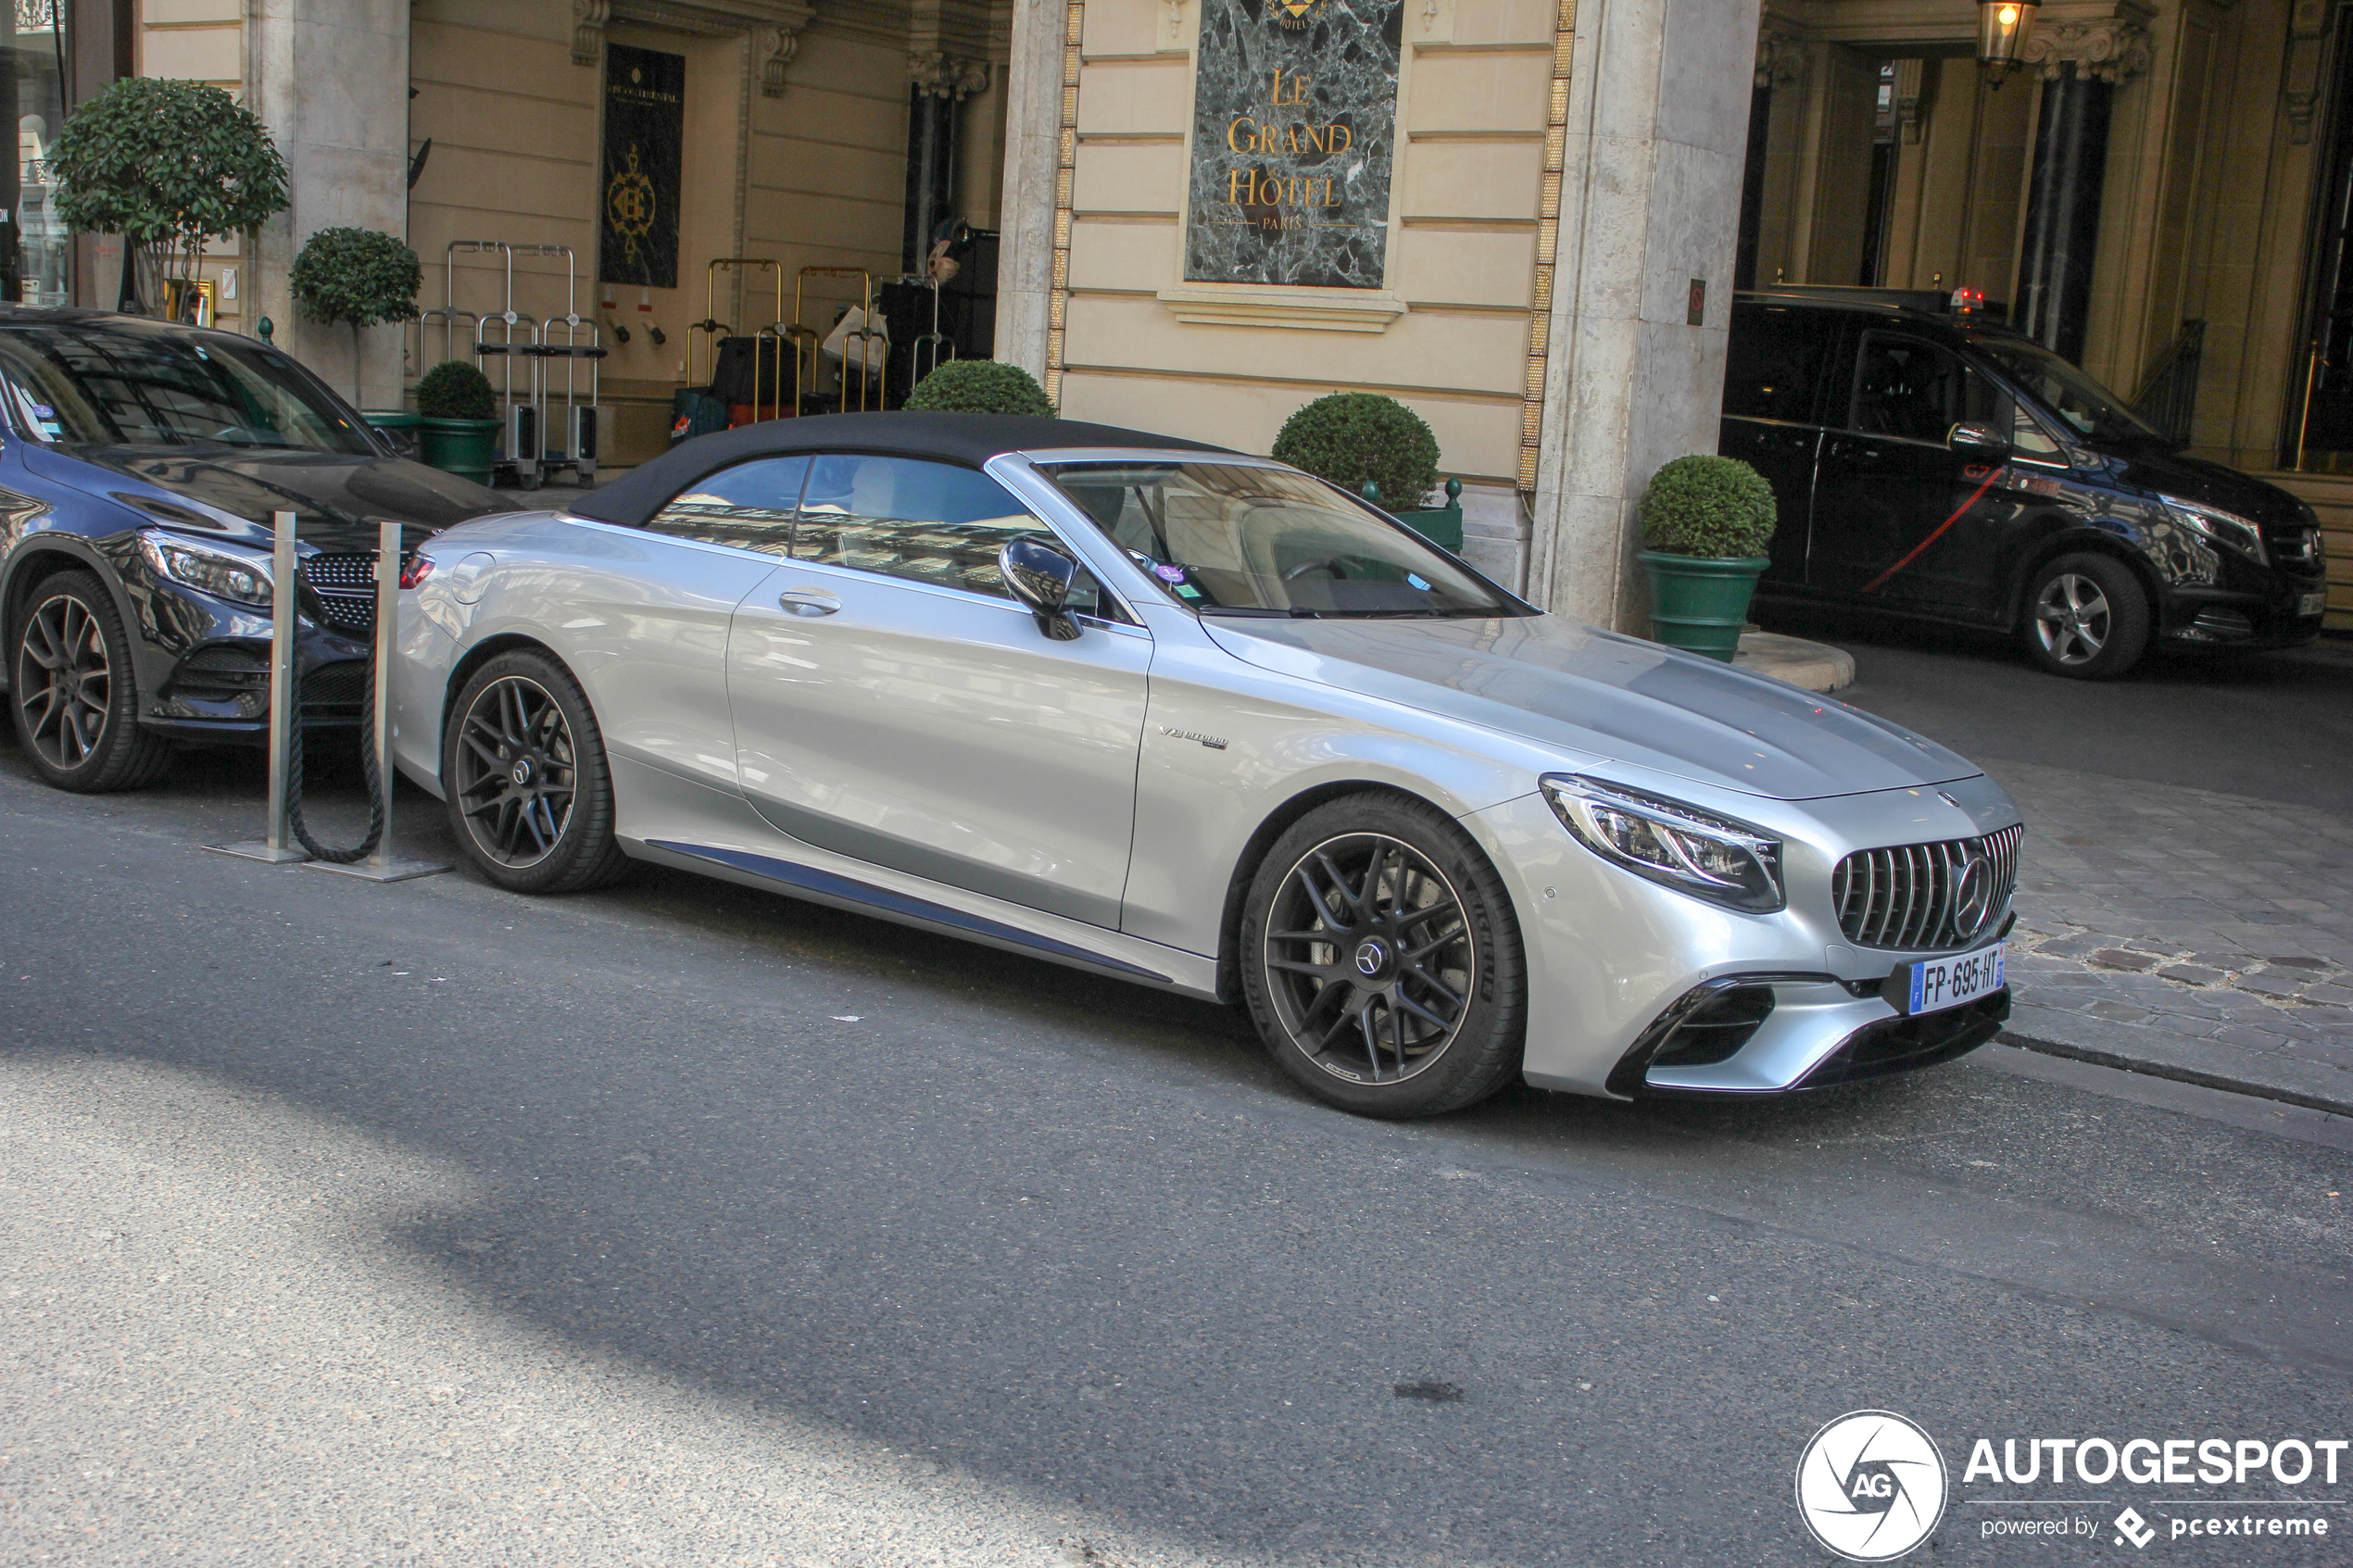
1442 526
460 446
1699 603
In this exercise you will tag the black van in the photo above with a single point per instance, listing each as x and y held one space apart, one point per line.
1933 464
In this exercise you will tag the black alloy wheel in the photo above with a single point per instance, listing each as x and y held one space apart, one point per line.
523 767
76 702
1381 961
2086 617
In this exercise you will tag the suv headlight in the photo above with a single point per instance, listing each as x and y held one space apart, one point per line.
2227 529
239 579
1692 851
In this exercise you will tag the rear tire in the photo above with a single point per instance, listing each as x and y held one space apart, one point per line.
2087 617
1381 960
74 694
529 794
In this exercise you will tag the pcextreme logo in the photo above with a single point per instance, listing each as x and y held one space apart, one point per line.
1870 1486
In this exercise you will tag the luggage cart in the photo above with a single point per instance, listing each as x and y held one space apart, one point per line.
766 335
935 340
872 379
569 437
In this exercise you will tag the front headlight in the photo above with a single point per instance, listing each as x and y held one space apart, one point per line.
2227 529
239 579
1692 851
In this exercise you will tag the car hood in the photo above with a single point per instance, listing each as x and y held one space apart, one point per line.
1556 682
338 498
2211 484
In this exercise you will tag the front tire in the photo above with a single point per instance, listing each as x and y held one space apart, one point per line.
523 769
74 695
1381 960
2087 617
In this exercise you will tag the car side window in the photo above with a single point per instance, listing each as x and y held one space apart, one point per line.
925 521
1918 392
750 506
1776 360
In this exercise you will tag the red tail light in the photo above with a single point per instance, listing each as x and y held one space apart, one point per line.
418 568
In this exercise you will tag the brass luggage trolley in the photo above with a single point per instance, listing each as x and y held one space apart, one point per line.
708 332
808 342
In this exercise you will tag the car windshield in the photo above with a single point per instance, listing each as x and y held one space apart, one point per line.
2066 391
96 385
1239 539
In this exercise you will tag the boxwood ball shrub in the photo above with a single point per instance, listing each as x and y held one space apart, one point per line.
1350 437
355 275
1719 507
455 390
980 386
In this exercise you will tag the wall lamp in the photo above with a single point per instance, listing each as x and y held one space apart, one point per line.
2002 27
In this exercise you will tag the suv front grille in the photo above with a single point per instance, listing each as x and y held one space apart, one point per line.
347 588
1907 898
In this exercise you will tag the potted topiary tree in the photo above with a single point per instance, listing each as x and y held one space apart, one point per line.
359 277
167 165
1707 525
980 386
1376 448
458 424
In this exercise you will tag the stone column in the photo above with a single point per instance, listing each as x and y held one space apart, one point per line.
2081 62
1032 154
330 78
1657 130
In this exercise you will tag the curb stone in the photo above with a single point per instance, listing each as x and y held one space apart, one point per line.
2206 1063
1815 666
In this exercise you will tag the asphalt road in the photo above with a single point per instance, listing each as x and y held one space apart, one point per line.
2276 726
683 1224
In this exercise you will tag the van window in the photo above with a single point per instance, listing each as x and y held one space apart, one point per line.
1776 362
1918 392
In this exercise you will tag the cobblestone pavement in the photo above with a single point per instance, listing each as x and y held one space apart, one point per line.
2196 935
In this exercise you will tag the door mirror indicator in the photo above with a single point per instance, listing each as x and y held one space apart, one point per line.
1040 577
1981 439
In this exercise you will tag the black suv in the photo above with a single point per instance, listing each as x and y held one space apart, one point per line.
1936 465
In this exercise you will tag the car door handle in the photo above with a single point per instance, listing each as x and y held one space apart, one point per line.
809 601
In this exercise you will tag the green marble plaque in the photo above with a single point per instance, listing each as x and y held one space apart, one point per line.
1294 118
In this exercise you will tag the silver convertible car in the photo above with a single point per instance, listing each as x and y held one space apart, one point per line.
1201 722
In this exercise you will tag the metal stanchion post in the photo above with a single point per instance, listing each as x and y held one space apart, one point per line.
383 865
286 702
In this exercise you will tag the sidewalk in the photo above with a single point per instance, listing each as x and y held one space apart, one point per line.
2195 935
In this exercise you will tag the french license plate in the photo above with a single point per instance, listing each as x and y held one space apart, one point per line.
1932 984
2310 604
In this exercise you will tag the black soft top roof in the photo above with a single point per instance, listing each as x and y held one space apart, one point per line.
969 439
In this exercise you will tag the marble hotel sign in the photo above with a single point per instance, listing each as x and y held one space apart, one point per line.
1295 115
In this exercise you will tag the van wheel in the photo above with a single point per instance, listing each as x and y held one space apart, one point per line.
2086 617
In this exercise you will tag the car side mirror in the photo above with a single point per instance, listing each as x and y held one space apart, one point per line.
1981 439
1041 576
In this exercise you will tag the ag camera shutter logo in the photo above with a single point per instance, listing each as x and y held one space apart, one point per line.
1871 1486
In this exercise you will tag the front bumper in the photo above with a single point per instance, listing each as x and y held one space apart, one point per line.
1611 957
1813 1035
203 663
2254 621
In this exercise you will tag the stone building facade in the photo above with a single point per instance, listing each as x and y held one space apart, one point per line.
1526 218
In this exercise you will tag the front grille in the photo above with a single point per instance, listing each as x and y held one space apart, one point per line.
2302 547
347 588
1905 897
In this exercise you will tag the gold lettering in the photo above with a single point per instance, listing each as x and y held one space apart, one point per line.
1315 134
1234 196
1341 138
1245 143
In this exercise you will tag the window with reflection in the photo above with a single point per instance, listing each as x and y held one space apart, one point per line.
750 506
924 521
